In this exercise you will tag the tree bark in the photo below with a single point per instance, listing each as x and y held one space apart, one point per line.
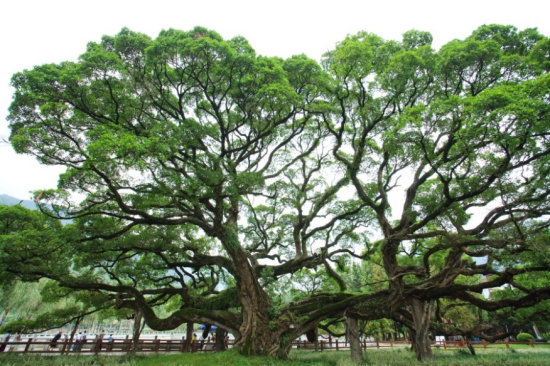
470 346
75 329
316 330
412 337
219 346
256 337
137 331
189 337
422 312
352 333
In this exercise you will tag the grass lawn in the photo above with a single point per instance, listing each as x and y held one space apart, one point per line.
401 357
372 357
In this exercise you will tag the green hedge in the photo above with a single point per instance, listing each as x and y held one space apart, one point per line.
524 337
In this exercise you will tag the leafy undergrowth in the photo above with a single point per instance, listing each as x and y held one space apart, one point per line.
298 358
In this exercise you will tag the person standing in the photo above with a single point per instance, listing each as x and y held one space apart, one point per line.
82 341
100 337
77 340
5 341
55 339
194 342
110 340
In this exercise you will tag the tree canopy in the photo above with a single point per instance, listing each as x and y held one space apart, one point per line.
210 175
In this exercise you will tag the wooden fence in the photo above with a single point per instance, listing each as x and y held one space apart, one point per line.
482 344
365 344
101 346
35 345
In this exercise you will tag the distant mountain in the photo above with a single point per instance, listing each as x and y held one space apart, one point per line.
10 201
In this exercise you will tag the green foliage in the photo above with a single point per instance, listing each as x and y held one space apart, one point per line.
285 339
524 337
29 243
273 312
462 316
46 319
414 39
226 299
377 328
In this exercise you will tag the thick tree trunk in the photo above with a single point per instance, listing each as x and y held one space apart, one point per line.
256 337
219 346
316 330
352 333
422 313
137 331
189 337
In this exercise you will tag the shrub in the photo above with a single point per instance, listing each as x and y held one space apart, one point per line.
524 337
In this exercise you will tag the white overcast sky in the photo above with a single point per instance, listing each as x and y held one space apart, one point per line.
34 32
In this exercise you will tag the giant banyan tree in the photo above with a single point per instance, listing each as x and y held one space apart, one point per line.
202 177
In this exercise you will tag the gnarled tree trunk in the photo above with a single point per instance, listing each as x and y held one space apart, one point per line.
256 337
422 312
352 333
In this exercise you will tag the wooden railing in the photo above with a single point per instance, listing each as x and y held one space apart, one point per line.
482 344
101 346
366 344
173 345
